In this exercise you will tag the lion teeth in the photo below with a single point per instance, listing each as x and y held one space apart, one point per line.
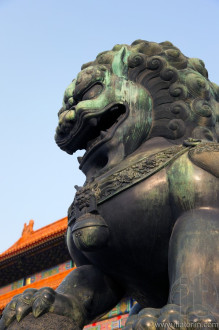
70 115
92 143
79 159
61 116
103 134
93 122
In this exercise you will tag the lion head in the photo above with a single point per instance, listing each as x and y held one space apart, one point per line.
131 94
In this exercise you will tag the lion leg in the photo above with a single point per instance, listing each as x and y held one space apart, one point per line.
194 260
193 274
85 294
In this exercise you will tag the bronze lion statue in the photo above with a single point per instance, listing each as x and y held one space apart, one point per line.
146 222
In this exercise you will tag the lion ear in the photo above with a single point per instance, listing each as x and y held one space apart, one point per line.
120 62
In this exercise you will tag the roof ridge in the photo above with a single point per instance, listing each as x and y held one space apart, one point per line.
30 237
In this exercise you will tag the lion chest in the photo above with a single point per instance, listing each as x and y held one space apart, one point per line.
140 224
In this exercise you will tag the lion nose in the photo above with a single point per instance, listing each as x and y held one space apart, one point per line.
70 103
67 115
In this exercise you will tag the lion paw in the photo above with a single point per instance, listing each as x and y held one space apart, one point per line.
172 317
36 301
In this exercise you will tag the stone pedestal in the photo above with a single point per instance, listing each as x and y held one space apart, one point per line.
47 321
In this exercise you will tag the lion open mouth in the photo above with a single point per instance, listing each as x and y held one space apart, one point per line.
88 131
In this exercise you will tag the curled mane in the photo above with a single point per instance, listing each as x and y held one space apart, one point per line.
185 102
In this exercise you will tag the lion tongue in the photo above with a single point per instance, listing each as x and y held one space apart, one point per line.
92 142
103 134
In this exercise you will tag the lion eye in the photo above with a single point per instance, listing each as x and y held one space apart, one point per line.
92 92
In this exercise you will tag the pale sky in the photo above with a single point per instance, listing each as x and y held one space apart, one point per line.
43 45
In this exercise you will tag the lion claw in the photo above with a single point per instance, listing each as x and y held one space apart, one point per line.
40 307
44 300
9 317
22 309
172 316
37 301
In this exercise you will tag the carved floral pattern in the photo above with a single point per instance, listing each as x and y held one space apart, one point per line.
127 177
205 147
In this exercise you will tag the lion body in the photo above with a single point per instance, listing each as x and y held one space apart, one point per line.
145 224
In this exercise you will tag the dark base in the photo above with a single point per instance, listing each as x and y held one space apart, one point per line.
47 321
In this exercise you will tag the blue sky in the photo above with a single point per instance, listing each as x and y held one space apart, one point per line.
43 45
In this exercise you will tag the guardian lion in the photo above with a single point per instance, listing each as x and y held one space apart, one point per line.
146 222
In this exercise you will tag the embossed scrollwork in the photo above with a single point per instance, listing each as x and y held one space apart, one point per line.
198 65
178 90
180 109
203 133
177 127
127 177
176 58
155 63
215 89
202 108
198 85
169 74
203 112
135 60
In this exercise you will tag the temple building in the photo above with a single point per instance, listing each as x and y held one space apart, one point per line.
40 258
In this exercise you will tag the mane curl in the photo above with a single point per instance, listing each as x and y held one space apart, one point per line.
185 102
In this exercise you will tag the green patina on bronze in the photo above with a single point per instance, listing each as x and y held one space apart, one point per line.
176 98
180 176
147 216
120 63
